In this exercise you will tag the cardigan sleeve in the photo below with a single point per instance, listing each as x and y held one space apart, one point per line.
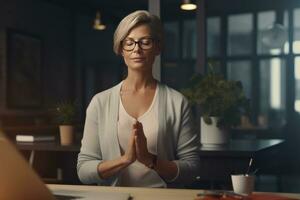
90 155
187 147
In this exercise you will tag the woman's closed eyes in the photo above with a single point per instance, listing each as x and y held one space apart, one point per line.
144 43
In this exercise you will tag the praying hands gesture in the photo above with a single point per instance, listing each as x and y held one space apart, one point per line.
137 146
140 141
137 150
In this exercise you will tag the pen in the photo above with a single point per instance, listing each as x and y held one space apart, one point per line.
249 166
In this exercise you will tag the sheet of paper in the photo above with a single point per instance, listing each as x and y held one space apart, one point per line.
84 195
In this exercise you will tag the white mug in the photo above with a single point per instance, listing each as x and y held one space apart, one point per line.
243 184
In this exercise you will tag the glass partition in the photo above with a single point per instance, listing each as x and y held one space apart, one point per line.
213 35
297 84
265 22
296 26
240 31
272 104
241 71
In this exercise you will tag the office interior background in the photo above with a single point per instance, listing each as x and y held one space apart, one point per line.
76 61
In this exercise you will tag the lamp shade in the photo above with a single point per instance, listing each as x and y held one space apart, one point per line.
275 36
188 5
97 22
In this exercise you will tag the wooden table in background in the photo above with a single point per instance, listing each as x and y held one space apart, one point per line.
219 162
43 154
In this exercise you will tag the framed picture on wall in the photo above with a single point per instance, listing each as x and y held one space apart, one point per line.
24 65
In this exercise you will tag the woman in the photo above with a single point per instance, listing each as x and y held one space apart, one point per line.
140 132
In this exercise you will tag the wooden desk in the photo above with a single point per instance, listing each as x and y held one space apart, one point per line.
47 146
218 163
144 193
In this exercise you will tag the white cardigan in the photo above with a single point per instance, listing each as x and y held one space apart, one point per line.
177 139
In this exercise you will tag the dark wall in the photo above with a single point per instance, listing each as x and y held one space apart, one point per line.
98 67
77 61
51 24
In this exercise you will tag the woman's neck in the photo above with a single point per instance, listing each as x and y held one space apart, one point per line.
138 82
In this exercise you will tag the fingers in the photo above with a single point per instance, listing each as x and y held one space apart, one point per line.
136 140
131 151
139 127
139 141
135 124
137 146
132 138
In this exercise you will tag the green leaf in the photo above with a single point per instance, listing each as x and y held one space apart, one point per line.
218 97
207 120
66 112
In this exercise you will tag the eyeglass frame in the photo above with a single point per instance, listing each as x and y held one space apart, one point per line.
153 40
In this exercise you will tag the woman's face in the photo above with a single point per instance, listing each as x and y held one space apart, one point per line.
139 49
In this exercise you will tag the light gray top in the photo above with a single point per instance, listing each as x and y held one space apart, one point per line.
177 139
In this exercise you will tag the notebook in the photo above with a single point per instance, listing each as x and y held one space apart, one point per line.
35 138
84 195
19 181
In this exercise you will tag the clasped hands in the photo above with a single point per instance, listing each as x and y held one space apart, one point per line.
137 146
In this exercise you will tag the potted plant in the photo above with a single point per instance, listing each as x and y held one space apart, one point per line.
222 103
66 113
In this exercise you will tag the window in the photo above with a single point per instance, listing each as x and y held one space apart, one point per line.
213 36
297 84
240 28
265 23
296 28
272 102
238 69
261 69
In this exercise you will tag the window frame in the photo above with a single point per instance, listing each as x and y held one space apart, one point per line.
255 58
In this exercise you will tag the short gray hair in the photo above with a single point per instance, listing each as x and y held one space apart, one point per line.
131 21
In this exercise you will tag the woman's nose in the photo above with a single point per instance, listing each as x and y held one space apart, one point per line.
137 48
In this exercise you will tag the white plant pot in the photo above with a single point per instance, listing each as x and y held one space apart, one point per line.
66 134
211 135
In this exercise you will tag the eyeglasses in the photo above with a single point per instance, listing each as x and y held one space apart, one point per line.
144 43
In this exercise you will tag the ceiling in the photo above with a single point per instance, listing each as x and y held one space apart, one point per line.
120 8
112 9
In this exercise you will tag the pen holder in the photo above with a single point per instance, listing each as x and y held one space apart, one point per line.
243 184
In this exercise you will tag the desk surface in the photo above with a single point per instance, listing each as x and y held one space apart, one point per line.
240 147
47 146
145 193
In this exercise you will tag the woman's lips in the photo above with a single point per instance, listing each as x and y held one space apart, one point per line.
138 59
